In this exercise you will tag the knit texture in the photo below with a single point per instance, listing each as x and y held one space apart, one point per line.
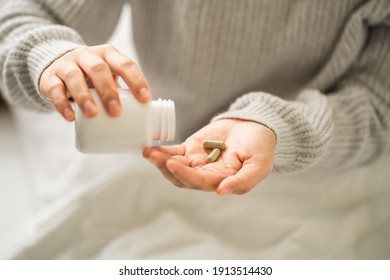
315 72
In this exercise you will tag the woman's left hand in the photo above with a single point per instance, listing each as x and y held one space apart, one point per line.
246 160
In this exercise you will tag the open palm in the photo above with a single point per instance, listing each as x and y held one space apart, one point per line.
247 159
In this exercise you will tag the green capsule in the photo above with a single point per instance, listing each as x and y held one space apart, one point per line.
212 144
213 156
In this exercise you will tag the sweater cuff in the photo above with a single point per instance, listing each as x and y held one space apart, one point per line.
302 127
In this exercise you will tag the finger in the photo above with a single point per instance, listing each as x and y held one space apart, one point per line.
252 172
130 73
197 157
174 150
160 155
159 159
191 177
198 160
74 80
182 159
57 94
101 76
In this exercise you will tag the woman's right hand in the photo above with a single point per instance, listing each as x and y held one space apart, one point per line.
71 75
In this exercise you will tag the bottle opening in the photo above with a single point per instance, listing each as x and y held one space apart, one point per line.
164 120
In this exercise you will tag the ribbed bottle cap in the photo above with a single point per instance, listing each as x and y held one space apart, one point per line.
164 121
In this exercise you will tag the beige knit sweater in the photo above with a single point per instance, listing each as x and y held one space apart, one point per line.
316 72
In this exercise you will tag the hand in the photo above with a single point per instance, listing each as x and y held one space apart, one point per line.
246 160
71 75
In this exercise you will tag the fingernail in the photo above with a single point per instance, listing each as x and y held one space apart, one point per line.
225 192
145 94
89 108
68 114
114 108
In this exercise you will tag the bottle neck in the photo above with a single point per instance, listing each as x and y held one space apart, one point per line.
164 122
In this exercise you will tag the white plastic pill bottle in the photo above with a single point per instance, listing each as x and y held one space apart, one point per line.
137 127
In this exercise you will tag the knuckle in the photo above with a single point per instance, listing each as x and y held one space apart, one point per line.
55 92
55 87
108 47
77 51
98 66
70 56
48 72
71 73
81 52
126 64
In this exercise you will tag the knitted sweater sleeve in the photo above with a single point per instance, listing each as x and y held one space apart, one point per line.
33 33
345 120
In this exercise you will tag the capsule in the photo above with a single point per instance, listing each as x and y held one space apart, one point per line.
213 156
212 144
